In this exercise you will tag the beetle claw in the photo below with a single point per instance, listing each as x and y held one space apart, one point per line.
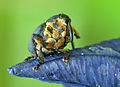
66 59
35 68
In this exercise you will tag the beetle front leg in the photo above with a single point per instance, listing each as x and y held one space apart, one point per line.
41 57
36 68
66 52
76 33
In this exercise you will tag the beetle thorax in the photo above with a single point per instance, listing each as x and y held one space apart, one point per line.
56 34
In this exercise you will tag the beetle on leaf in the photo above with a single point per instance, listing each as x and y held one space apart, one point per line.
51 37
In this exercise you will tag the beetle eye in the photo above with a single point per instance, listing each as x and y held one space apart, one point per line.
65 22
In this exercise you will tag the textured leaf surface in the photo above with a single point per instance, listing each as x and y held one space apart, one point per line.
97 65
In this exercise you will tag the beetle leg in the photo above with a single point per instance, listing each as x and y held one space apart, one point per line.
34 46
36 39
39 40
59 43
71 35
76 33
28 58
41 57
66 52
35 68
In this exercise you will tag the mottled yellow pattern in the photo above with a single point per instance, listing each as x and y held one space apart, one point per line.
56 34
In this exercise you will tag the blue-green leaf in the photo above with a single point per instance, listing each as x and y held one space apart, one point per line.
97 65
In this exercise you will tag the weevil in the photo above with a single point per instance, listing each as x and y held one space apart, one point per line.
51 37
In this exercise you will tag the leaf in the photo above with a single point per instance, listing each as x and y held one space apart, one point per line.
97 65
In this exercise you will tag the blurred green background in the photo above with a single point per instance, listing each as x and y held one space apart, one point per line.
95 20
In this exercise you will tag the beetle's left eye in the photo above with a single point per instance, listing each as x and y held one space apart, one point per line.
65 22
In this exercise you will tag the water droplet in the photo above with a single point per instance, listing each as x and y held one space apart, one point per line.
97 85
43 77
21 70
93 49
82 53
50 55
115 74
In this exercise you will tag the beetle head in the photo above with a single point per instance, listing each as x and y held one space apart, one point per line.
65 18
